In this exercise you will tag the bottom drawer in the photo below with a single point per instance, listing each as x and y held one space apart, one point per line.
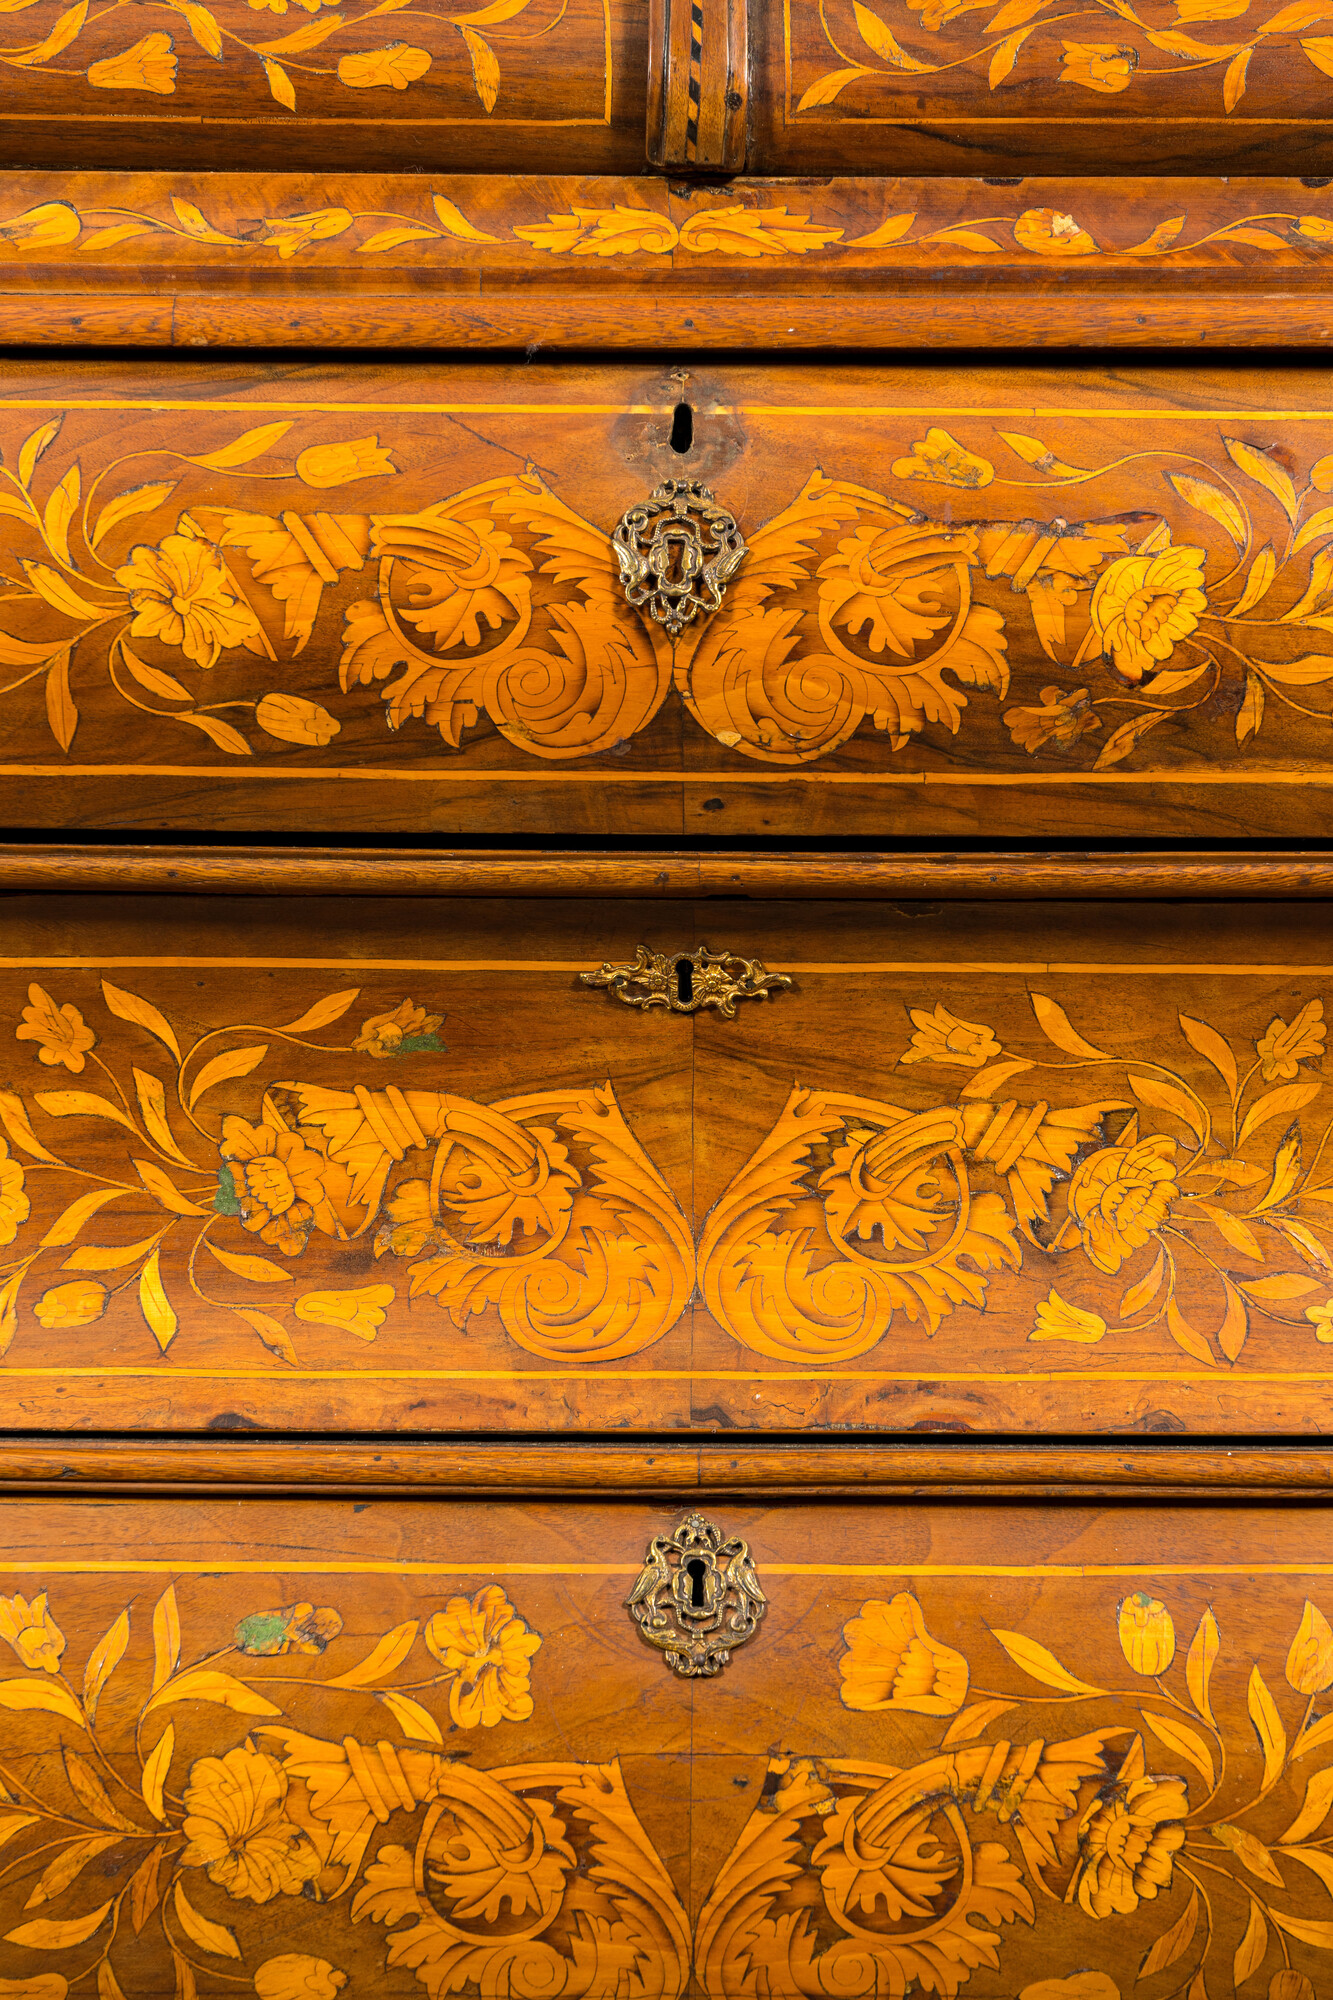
292 1747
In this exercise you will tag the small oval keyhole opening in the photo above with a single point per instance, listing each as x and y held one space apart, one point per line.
696 1569
682 428
684 981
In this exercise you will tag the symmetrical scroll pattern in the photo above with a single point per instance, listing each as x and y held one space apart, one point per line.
502 605
1185 1200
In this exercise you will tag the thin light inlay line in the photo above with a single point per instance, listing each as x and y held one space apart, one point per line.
1037 1379
92 960
1136 969
976 410
239 405
913 121
216 118
294 1566
716 780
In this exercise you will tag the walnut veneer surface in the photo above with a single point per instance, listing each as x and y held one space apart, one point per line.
1055 1165
1073 601
928 1358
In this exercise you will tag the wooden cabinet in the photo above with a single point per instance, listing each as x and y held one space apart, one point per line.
666 1186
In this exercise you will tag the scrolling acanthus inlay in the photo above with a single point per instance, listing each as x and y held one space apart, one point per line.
161 1810
1183 1199
542 1208
849 608
918 1871
742 228
193 1843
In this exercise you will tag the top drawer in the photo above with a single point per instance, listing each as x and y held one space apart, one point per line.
589 85
1079 601
555 85
948 86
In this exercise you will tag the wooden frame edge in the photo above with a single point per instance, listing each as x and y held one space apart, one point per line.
61 1468
668 874
497 277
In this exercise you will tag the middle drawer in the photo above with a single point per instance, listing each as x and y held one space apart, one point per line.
365 1162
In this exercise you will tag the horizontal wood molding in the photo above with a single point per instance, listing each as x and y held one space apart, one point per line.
889 1471
665 315
257 871
384 260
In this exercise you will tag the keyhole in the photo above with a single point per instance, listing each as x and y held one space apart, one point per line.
696 1570
684 986
682 428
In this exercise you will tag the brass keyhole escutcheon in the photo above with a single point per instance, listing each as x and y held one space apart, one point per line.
697 1597
687 982
677 552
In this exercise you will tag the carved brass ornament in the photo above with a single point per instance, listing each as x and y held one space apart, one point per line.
697 1598
677 552
685 982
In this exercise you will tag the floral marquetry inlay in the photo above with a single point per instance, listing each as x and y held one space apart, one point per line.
191 1841
1079 613
889 225
1173 1199
542 1209
854 1211
844 57
1122 1799
1022 1774
276 52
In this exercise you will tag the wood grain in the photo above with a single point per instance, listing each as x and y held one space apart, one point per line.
1138 661
98 313
522 1467
532 83
257 870
386 260
925 85
328 1691
983 1168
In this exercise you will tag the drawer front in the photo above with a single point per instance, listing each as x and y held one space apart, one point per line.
358 1164
548 84
311 1746
370 597
911 85
579 85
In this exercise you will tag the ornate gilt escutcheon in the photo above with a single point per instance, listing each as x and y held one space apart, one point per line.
697 1597
685 982
677 552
